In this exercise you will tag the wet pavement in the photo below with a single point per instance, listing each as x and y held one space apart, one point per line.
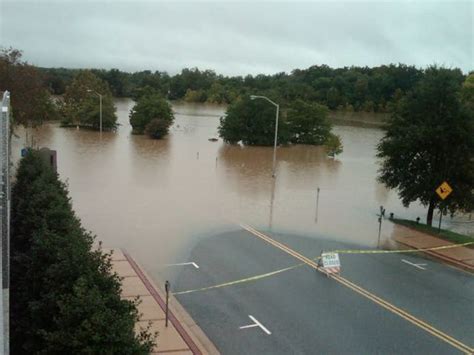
307 312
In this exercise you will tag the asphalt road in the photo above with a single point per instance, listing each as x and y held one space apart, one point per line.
307 312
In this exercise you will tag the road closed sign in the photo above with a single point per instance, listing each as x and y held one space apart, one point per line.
330 263
330 260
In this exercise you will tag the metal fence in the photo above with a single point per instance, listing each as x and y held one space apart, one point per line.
5 218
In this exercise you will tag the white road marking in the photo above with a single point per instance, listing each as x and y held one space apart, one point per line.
419 266
256 324
179 264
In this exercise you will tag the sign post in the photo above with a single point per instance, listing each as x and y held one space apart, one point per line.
167 288
382 215
317 205
443 191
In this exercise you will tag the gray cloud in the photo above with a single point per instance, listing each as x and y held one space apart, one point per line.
238 37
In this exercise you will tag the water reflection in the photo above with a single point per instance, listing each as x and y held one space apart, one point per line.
149 160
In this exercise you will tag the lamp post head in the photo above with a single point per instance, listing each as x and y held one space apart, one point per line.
253 97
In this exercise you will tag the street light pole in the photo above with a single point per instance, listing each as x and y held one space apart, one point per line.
100 108
275 141
253 97
100 104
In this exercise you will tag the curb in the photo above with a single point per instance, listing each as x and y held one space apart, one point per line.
445 258
176 323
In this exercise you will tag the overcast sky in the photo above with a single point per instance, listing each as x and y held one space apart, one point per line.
238 37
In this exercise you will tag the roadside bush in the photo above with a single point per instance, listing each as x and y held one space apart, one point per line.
64 296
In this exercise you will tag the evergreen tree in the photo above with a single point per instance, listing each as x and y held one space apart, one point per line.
64 296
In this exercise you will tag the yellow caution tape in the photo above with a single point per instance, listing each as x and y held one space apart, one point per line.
253 278
341 251
361 251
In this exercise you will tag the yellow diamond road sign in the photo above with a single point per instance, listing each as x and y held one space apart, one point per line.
444 190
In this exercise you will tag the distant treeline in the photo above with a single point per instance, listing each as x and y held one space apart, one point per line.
348 88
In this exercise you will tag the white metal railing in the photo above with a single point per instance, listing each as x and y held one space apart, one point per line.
5 218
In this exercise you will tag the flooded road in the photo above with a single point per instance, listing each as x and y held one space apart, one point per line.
159 198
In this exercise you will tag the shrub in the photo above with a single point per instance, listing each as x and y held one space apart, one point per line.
64 296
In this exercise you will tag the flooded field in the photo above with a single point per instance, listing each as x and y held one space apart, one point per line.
158 198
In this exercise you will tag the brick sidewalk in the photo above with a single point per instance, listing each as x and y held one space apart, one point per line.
459 256
182 336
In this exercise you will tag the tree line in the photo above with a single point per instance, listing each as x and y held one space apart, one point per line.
64 296
348 88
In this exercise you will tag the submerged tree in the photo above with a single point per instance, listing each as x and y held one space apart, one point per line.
152 114
253 123
430 140
333 145
82 103
157 128
308 123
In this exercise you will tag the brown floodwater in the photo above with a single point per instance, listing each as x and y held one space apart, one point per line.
157 198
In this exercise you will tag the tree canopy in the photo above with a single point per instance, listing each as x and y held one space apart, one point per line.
30 100
82 103
152 114
308 122
430 140
253 123
64 296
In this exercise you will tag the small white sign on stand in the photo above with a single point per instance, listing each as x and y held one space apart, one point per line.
331 263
